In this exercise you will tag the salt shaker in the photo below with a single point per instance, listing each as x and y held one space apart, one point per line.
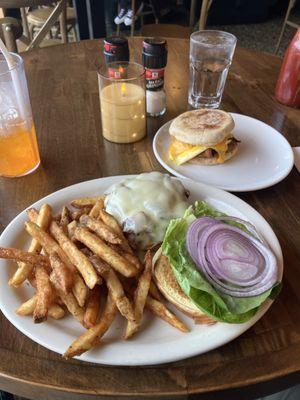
155 60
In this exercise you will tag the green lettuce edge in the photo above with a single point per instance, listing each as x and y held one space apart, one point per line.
223 308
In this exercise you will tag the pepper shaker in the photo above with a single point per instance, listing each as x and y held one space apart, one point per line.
155 60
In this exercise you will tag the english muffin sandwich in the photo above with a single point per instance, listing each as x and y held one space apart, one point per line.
202 137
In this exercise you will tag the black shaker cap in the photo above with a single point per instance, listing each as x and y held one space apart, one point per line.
116 49
155 53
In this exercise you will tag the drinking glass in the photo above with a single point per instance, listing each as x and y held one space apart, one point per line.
19 154
211 54
122 101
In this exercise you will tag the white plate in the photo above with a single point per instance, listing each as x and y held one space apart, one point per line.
264 158
158 342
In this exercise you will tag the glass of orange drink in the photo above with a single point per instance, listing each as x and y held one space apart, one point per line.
19 153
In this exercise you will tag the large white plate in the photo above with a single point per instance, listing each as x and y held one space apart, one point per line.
158 342
264 158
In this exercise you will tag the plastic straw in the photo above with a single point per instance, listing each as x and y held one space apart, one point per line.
15 80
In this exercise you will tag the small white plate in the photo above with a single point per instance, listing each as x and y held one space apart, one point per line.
157 342
264 158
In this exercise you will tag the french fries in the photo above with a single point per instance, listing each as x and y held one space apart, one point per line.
65 218
68 259
32 214
51 246
79 289
140 297
78 259
154 292
78 213
102 230
23 256
86 202
92 308
91 337
161 311
24 269
98 206
115 287
69 301
110 221
44 294
105 252
63 275
70 229
55 311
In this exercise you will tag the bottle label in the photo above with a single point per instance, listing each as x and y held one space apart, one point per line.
110 48
154 79
117 73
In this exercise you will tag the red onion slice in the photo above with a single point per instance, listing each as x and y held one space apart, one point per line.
233 261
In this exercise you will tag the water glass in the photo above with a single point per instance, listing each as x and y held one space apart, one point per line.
122 101
211 54
19 154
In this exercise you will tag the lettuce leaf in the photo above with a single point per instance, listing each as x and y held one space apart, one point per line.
223 307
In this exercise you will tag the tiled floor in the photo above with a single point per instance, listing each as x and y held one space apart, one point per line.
262 36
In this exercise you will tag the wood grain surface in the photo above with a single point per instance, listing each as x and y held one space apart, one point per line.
64 94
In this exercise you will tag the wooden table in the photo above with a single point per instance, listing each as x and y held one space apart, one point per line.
64 95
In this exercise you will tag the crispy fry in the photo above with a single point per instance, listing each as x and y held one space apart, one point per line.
27 308
56 311
161 311
80 290
23 256
109 220
85 202
63 275
80 261
98 206
65 218
69 301
32 214
115 287
105 252
50 245
92 308
44 294
132 259
71 228
91 337
78 213
102 230
154 292
204 320
140 297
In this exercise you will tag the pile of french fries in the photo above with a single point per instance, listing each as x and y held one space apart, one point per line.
81 263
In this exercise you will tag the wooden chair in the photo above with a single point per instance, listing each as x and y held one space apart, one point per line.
286 22
58 12
166 30
205 6
10 30
38 17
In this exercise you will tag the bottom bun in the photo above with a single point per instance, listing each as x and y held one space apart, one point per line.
233 148
169 287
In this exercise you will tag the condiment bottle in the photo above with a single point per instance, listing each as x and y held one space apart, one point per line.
155 60
116 49
288 85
